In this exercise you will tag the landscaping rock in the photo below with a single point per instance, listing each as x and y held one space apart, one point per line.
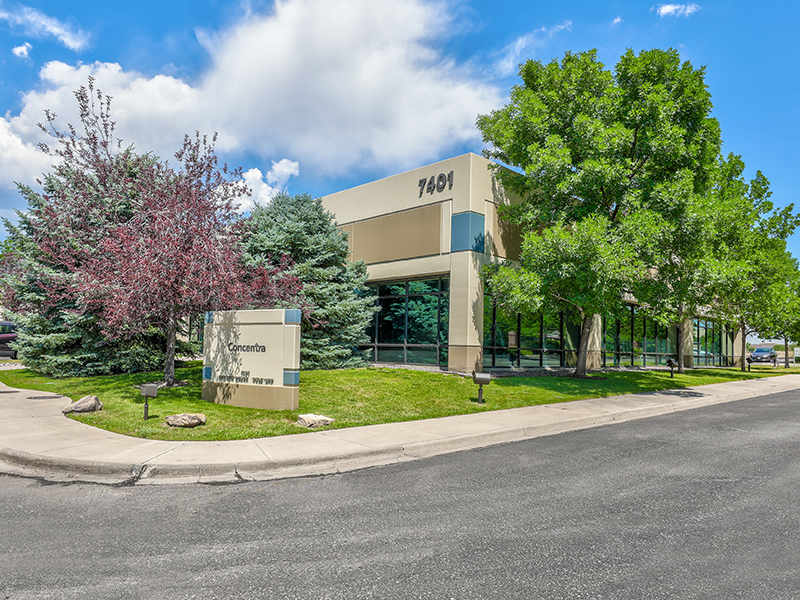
313 420
186 420
85 404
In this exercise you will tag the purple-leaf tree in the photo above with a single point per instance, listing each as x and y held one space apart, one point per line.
180 254
141 243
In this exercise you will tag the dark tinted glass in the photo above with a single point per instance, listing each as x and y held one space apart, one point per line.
552 332
391 321
430 286
423 319
392 289
529 332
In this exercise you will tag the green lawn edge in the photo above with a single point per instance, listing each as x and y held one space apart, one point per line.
353 397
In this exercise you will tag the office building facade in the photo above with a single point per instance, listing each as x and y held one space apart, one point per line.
426 233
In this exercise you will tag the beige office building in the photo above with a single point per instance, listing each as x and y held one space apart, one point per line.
426 233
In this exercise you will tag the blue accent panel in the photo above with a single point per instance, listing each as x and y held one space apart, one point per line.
291 378
207 373
209 317
293 316
467 232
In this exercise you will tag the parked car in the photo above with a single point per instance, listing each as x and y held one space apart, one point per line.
7 335
764 355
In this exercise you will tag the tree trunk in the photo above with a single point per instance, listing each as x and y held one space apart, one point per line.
583 346
744 345
786 352
169 358
679 343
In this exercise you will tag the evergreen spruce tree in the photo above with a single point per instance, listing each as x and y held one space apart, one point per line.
300 227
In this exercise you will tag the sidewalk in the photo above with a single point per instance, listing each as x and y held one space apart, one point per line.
37 440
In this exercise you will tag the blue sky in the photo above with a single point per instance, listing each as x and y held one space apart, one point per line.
321 95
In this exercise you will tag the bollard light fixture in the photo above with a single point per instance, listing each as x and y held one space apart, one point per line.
481 379
149 390
671 364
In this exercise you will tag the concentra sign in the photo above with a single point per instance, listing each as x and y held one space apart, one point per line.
251 358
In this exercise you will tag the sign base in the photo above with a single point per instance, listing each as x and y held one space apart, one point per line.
252 396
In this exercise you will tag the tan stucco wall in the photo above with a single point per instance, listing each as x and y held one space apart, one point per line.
407 234
472 185
466 311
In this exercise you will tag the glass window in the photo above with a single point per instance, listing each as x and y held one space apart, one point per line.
516 339
421 356
651 336
530 331
392 320
392 289
417 321
663 341
552 358
430 286
423 319
610 347
530 359
505 330
444 318
488 321
551 325
504 358
638 337
392 355
626 337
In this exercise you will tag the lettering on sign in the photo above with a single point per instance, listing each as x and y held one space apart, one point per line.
244 377
436 183
246 347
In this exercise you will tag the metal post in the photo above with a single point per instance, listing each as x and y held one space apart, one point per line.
481 379
149 390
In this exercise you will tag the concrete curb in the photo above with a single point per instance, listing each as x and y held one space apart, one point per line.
347 454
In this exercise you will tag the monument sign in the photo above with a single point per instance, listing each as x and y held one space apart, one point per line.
251 358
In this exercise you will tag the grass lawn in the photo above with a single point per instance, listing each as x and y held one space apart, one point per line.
353 397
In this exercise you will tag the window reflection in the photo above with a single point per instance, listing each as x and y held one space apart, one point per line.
412 323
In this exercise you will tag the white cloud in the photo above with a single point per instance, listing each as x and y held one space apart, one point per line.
537 38
22 51
338 85
281 171
676 10
20 161
263 189
344 84
35 22
617 21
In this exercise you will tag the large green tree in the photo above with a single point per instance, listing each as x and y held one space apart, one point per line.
755 273
631 147
298 226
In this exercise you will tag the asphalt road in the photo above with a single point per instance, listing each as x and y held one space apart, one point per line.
697 504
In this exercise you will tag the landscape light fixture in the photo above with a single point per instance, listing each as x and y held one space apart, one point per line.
671 364
149 390
481 379
749 362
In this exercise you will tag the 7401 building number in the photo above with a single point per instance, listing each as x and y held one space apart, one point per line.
436 183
